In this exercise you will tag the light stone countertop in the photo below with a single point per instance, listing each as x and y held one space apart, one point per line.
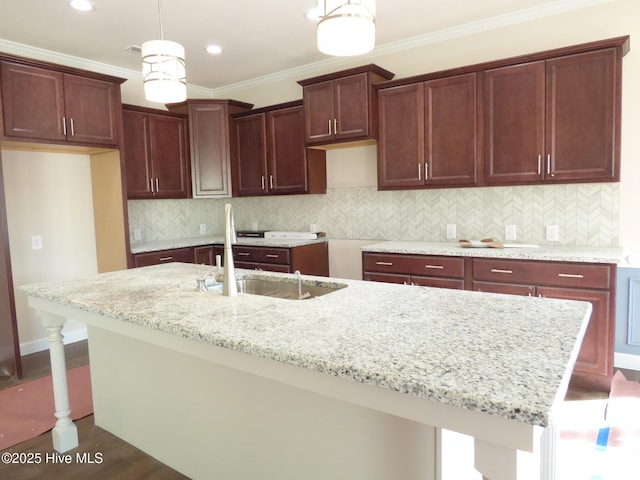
506 355
143 247
542 252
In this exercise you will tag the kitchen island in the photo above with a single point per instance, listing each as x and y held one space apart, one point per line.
353 384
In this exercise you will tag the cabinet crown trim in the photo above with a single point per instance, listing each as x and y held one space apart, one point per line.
370 68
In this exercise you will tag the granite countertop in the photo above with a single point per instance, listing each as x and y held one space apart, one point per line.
143 247
542 252
479 351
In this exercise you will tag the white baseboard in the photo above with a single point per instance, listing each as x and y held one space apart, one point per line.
626 361
41 344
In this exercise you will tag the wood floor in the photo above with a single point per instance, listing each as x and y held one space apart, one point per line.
113 458
118 458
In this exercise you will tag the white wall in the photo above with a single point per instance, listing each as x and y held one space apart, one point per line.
48 194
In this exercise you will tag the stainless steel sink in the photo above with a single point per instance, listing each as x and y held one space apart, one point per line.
280 289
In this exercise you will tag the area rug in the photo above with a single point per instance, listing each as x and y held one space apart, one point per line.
28 410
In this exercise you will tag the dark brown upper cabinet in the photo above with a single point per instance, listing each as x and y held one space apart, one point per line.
212 137
428 133
47 105
555 120
155 153
342 106
545 117
271 153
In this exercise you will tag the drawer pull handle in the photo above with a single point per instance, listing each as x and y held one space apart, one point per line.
435 267
166 259
388 264
243 254
498 270
272 255
571 275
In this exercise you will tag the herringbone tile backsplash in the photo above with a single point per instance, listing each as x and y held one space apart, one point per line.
587 214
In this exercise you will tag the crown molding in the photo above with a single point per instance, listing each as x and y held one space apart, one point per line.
322 66
313 69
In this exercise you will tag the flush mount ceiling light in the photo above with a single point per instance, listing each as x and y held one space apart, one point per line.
346 27
163 69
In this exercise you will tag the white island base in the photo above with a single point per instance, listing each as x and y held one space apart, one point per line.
212 412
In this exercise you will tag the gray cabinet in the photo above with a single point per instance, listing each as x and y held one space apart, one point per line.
627 340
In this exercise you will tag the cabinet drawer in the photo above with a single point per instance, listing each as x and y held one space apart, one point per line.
275 255
559 274
164 256
245 254
414 265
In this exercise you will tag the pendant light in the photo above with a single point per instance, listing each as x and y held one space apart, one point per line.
346 27
163 69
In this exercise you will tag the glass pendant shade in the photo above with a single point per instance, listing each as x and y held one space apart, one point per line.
163 71
346 27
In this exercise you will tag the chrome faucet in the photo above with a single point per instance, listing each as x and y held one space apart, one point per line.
229 286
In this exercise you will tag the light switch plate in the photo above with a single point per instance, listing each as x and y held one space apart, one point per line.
137 234
510 233
203 228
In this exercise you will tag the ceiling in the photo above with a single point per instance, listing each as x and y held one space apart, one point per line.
259 37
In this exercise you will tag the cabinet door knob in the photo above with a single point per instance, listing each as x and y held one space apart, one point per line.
151 183
262 181
329 126
426 171
73 130
498 270
549 165
271 182
419 171
335 126
388 264
64 126
157 185
435 267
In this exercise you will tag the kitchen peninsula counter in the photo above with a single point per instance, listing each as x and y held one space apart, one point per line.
556 253
472 362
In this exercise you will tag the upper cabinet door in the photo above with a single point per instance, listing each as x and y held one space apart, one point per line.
351 107
169 156
401 143
209 124
251 142
137 154
319 112
515 123
583 116
287 167
451 139
32 102
91 108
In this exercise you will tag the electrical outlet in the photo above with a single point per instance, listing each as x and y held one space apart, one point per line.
510 232
36 242
137 234
451 231
553 233
203 228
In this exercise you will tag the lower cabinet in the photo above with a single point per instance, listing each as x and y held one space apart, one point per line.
590 282
311 259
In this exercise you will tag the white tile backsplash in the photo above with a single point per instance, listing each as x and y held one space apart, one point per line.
587 214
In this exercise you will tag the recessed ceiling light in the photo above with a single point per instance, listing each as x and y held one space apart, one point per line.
82 5
214 49
313 14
